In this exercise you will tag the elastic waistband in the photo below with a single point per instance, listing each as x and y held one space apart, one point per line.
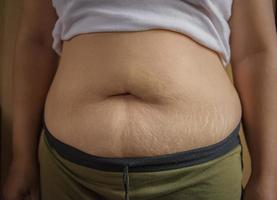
148 163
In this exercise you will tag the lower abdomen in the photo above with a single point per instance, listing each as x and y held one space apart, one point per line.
140 94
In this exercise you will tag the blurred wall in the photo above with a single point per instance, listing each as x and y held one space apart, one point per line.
1 41
10 11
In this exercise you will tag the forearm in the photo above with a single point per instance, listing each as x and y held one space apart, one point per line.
34 68
256 81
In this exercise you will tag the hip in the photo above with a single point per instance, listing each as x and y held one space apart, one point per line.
67 171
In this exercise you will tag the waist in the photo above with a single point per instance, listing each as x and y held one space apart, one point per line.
140 93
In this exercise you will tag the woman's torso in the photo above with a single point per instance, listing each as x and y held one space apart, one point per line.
181 96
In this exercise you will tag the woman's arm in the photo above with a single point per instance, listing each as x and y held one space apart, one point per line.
34 67
254 66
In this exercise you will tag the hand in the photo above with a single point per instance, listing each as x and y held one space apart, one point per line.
260 189
22 181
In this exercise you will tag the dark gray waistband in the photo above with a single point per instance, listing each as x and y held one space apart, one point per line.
148 163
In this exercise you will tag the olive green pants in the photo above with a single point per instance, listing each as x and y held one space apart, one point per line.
216 179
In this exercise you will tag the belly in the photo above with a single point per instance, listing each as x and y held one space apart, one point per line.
140 93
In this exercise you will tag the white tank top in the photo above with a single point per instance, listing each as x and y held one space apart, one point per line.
205 21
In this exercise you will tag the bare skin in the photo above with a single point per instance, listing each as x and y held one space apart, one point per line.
174 103
254 63
180 96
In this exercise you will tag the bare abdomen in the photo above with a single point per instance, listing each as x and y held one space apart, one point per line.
140 94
